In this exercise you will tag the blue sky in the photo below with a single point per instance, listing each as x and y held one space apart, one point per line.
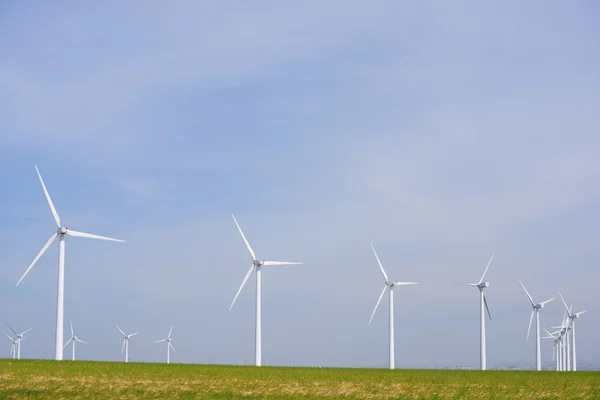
439 132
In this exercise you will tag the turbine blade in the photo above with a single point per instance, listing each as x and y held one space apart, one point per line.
48 243
281 263
486 307
54 213
13 331
486 268
81 341
379 262
123 347
465 284
406 283
377 305
547 301
172 348
580 312
120 330
563 301
68 341
24 332
134 333
170 330
242 286
71 323
90 236
8 336
530 321
161 340
528 295
245 240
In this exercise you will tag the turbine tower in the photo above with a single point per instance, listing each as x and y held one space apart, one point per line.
125 346
536 310
481 285
257 265
169 345
18 338
389 285
60 234
572 318
73 340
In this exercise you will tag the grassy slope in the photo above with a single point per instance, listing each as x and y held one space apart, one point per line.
102 380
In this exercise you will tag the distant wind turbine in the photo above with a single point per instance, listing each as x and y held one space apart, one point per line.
169 345
536 310
73 340
13 346
556 341
572 318
19 338
257 265
60 234
126 342
389 285
481 285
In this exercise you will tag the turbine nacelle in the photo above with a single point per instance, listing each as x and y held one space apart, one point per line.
483 285
62 230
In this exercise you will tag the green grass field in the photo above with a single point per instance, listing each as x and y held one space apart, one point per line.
25 379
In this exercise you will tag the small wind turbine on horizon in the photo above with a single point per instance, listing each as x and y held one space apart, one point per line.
257 265
73 340
481 285
17 341
572 317
60 234
169 345
125 346
388 285
536 307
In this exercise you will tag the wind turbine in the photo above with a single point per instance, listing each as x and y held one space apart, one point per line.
169 345
13 346
19 337
257 265
60 234
556 342
536 310
73 340
126 342
563 329
572 318
389 285
481 285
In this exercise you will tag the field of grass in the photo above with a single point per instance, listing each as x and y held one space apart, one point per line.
34 379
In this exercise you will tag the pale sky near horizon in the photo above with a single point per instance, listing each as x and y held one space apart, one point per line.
440 132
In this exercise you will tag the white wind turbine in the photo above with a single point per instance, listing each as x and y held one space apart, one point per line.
257 265
564 343
572 318
536 310
481 285
13 346
60 234
169 345
126 342
556 341
389 285
18 338
73 340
